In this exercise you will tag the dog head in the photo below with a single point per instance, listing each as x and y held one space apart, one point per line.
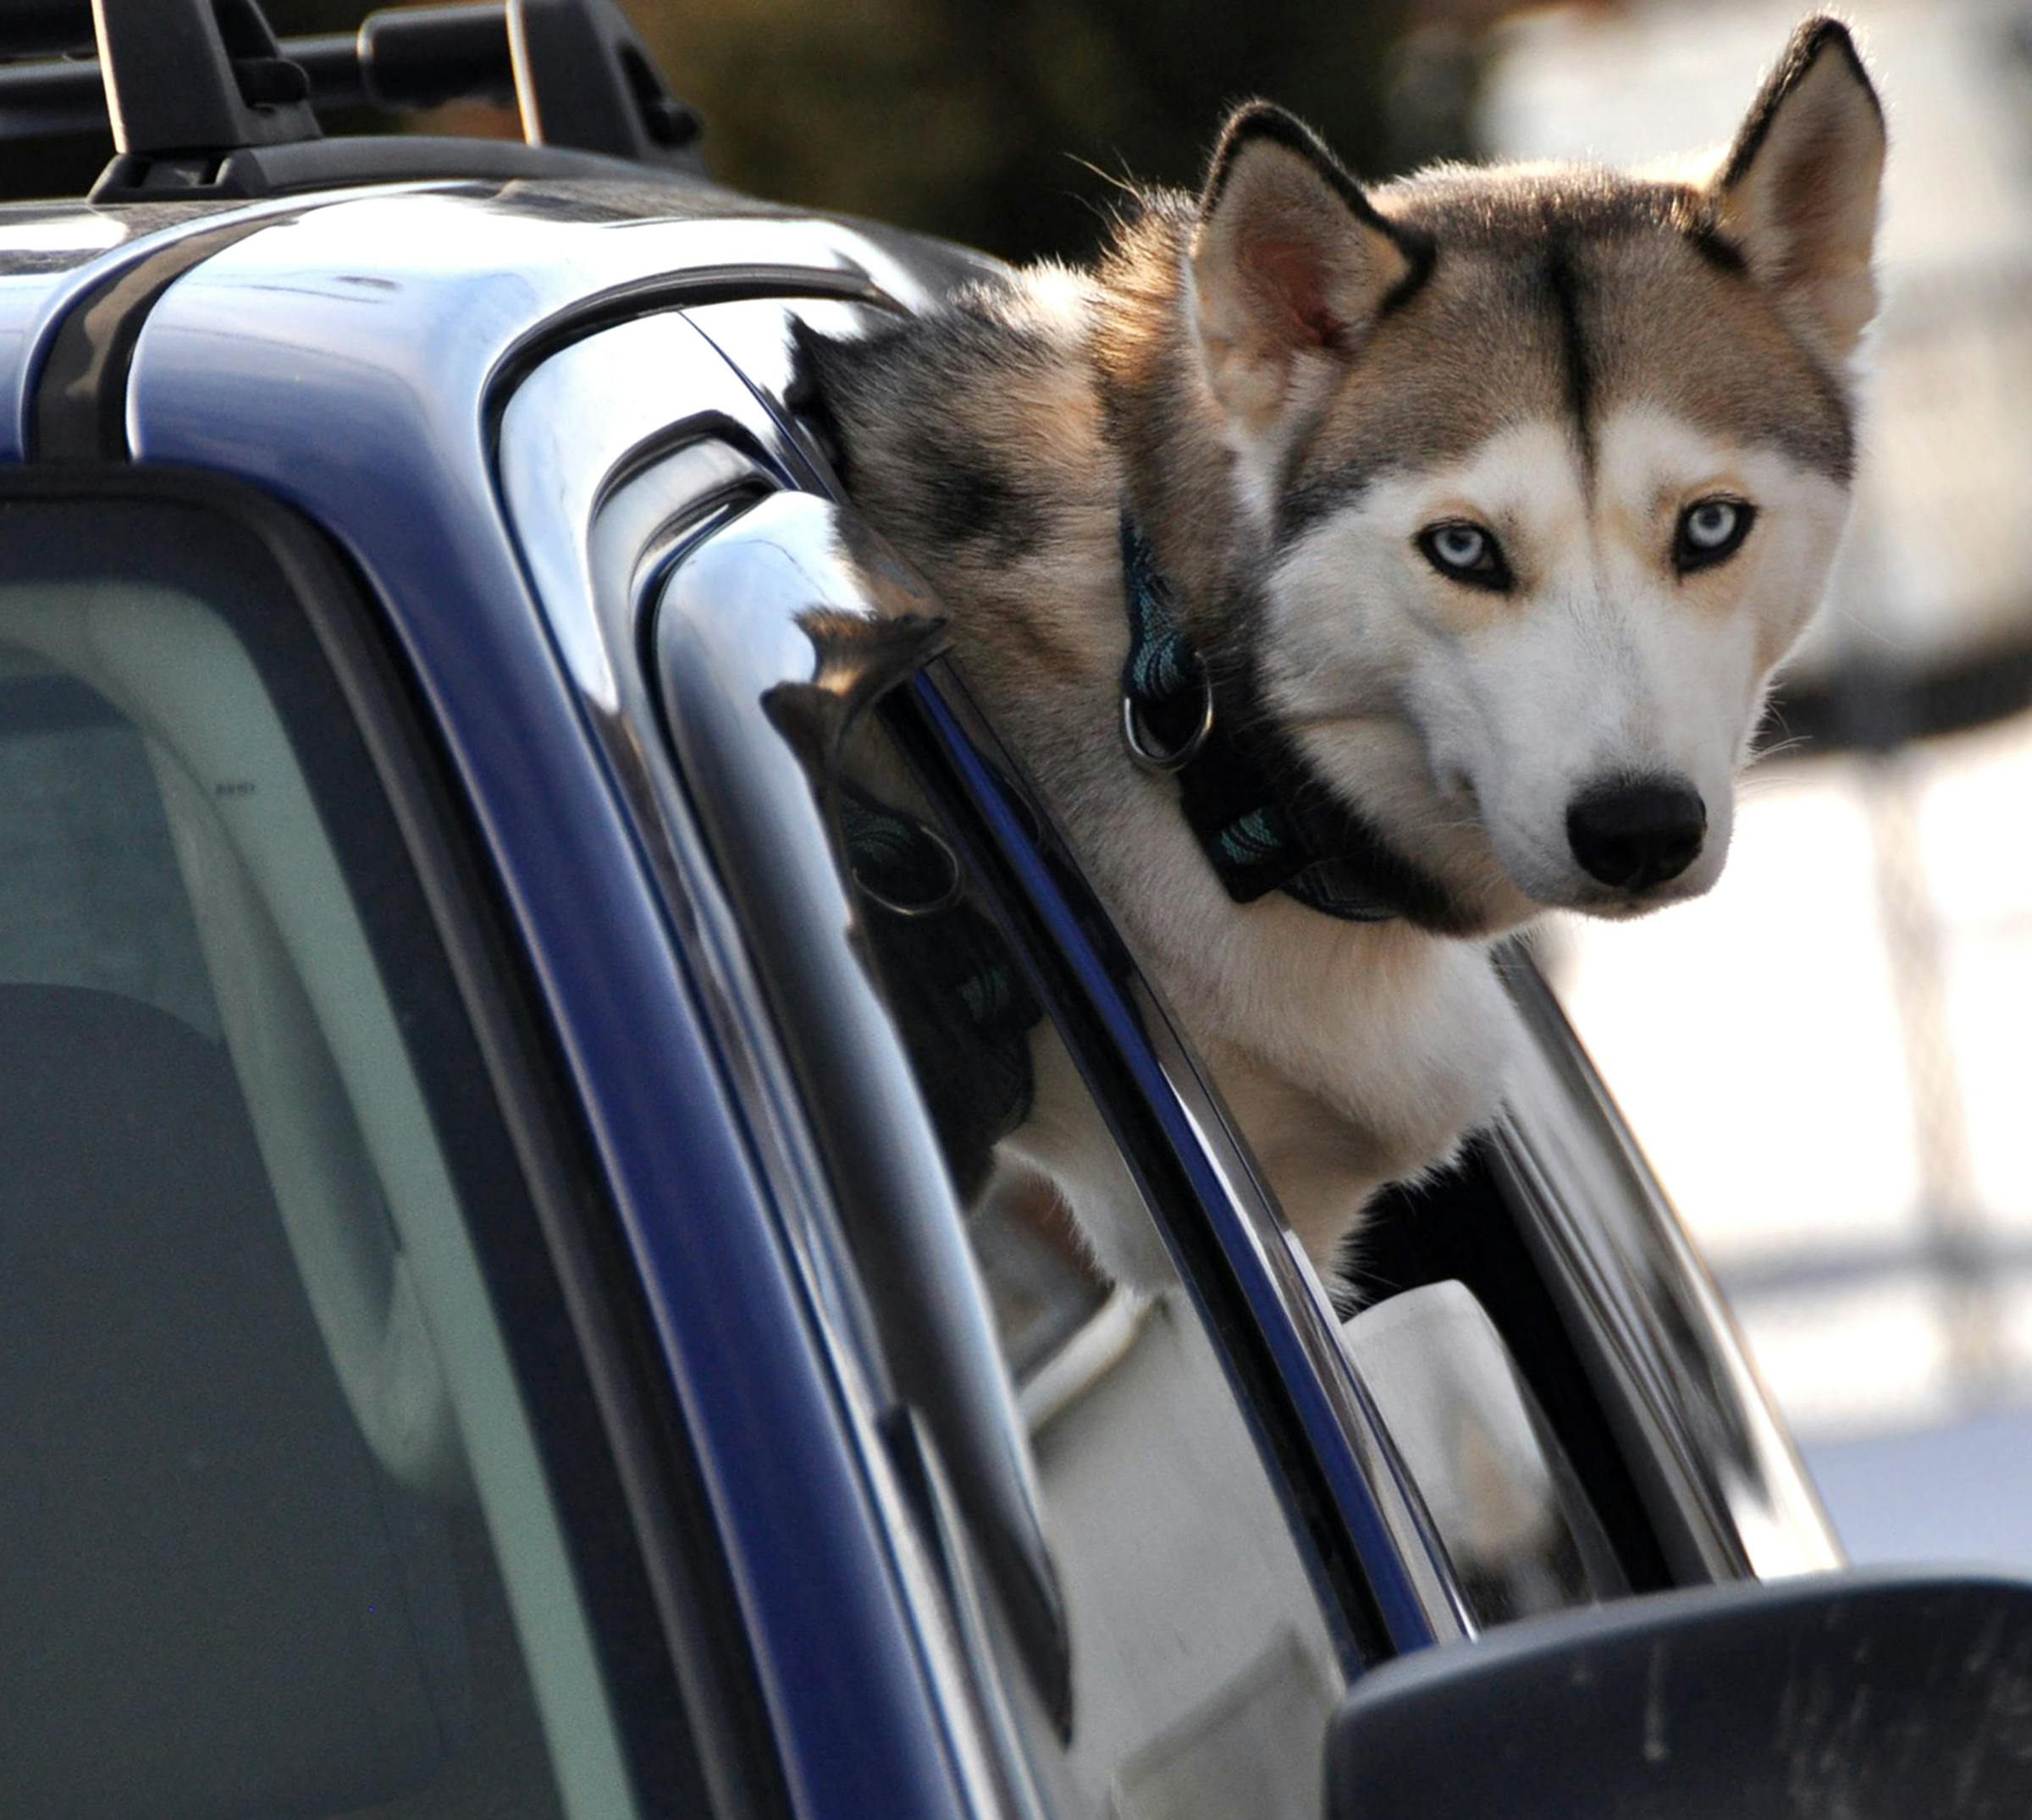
1536 473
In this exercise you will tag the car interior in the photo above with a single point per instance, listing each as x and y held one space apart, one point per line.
277 1526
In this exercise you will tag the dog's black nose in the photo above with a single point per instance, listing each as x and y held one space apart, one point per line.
1637 831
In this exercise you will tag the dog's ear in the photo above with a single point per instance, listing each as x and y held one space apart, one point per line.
1291 261
1798 191
814 358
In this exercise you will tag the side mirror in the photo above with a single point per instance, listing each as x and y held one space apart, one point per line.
1841 1696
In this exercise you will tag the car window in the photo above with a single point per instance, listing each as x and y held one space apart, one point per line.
1202 1672
279 1535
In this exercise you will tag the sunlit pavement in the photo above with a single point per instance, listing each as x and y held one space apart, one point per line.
1961 1493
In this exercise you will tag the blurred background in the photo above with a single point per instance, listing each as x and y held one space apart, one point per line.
1825 1058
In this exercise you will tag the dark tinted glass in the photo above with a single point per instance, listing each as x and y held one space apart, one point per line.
278 1536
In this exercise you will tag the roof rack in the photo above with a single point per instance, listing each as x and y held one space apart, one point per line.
203 101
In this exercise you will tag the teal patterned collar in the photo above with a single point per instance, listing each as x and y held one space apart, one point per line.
1266 821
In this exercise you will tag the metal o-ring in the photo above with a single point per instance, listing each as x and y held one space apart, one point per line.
955 887
1180 755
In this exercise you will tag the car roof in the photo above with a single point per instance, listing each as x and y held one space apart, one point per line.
223 174
581 242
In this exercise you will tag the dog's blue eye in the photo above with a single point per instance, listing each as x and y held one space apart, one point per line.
1459 546
1462 552
1711 531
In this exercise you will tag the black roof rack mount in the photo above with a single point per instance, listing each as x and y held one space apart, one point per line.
203 100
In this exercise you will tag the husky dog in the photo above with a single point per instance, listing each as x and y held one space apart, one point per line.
1361 571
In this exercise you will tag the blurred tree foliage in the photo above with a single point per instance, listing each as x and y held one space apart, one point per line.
1006 124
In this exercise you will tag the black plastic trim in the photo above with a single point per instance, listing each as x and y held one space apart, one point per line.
79 412
332 163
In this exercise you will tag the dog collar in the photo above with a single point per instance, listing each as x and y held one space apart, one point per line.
1265 819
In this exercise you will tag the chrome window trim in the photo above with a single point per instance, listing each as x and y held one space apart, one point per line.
603 491
602 487
730 631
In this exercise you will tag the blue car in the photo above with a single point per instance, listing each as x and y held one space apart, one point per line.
515 948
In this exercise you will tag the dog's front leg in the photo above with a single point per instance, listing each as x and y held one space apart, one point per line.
1391 1094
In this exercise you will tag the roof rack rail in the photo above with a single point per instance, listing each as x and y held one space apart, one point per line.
203 100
